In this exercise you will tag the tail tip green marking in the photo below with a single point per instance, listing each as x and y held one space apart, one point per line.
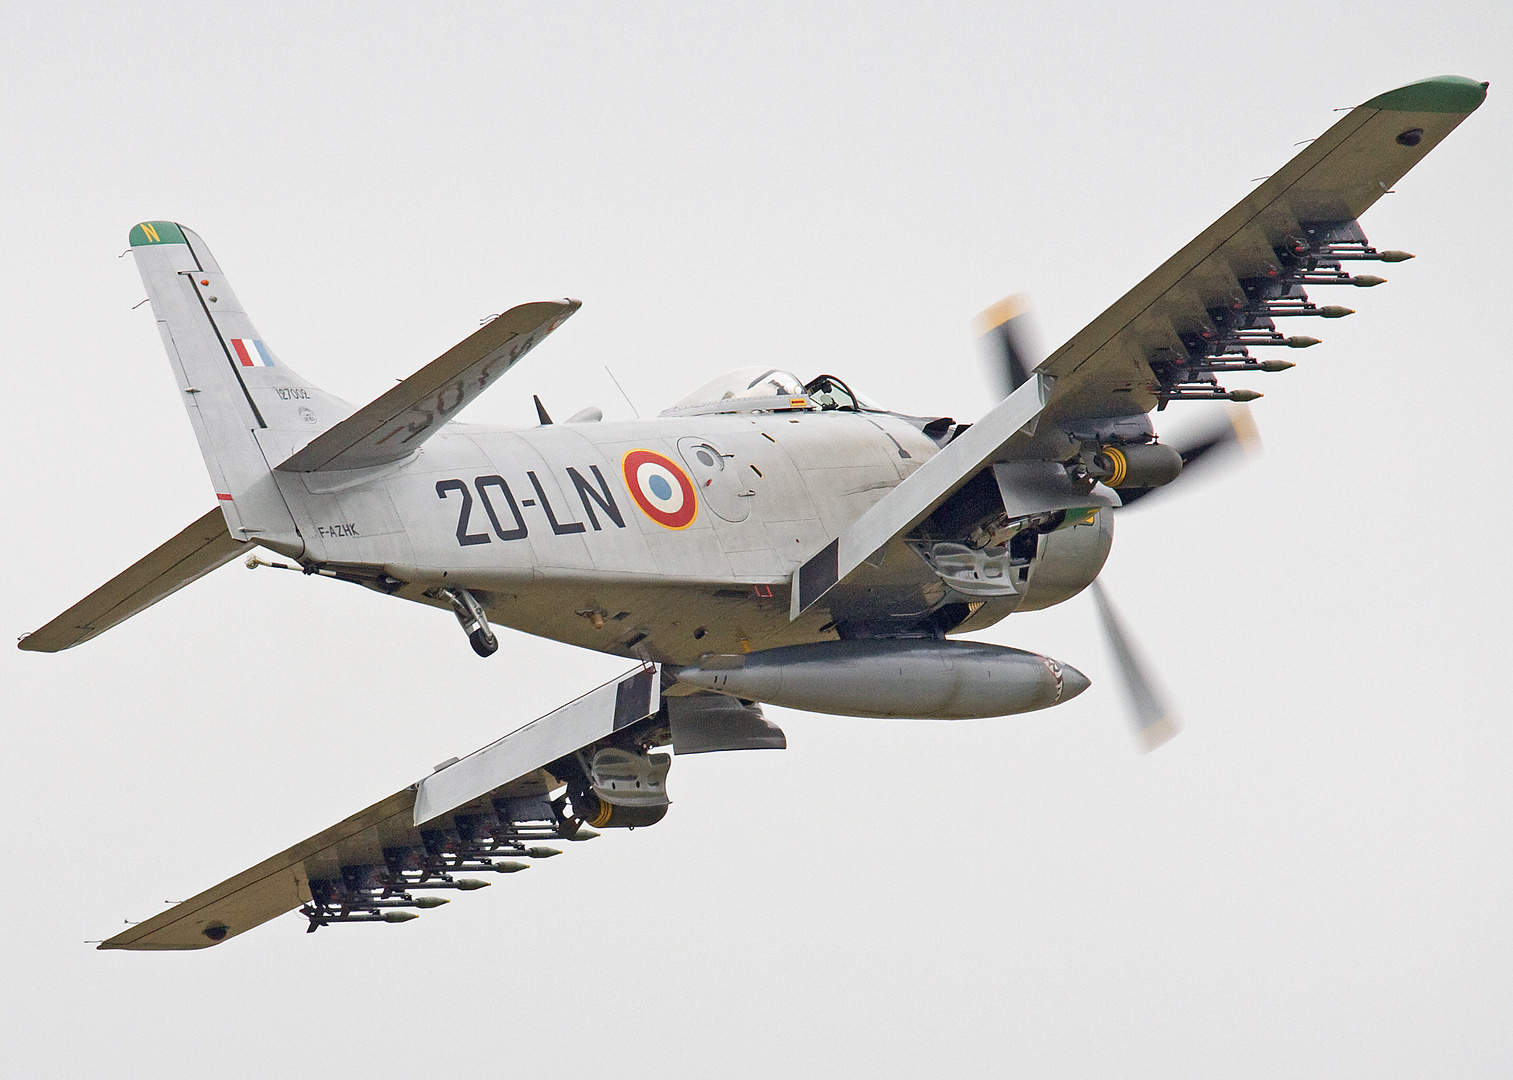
150 233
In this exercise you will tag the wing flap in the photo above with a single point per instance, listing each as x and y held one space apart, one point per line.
189 556
1118 364
365 868
391 426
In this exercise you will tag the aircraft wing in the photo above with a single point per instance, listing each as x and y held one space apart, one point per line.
1221 294
188 557
393 425
481 814
1198 314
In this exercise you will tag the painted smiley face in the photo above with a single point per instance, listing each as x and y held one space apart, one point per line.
660 488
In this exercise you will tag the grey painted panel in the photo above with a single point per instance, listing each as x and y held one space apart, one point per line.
791 539
717 478
1068 562
710 723
561 731
1034 487
922 491
761 564
393 425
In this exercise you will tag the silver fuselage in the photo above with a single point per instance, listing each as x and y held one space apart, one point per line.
541 525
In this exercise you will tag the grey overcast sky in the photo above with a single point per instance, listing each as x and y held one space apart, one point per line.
1313 880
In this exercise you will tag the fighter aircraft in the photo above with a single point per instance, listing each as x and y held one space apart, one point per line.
765 539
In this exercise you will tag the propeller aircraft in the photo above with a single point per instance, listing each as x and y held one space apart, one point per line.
766 539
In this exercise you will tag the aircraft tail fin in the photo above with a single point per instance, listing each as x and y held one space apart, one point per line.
246 406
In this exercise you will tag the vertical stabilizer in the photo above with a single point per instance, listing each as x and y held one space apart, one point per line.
245 405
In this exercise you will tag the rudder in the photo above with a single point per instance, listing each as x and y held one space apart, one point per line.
248 410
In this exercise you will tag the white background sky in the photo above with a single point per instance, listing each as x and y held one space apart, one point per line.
1313 880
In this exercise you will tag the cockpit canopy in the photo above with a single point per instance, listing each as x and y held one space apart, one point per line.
742 383
752 389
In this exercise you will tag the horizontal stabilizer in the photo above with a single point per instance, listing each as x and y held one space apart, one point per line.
392 426
188 557
379 863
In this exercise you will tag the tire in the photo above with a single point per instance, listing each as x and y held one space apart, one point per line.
483 642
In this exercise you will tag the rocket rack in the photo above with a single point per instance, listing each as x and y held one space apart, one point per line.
490 812
477 843
1316 258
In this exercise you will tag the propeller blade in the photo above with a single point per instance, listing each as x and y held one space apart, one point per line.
1155 722
1236 427
1013 352
1210 443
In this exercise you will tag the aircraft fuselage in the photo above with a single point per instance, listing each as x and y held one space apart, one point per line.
583 533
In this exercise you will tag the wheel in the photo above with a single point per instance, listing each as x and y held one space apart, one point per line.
484 643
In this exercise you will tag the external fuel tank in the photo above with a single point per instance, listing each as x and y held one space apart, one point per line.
893 678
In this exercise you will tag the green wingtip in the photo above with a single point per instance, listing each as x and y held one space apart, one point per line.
149 233
1441 94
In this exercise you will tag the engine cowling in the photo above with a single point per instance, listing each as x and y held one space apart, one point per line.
1020 536
1067 561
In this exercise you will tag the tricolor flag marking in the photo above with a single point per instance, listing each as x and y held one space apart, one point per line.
250 352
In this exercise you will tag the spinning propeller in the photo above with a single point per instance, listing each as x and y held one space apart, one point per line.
1013 354
1154 720
1209 442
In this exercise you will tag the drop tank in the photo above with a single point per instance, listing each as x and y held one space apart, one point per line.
893 678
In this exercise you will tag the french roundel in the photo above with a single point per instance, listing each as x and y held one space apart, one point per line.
661 489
